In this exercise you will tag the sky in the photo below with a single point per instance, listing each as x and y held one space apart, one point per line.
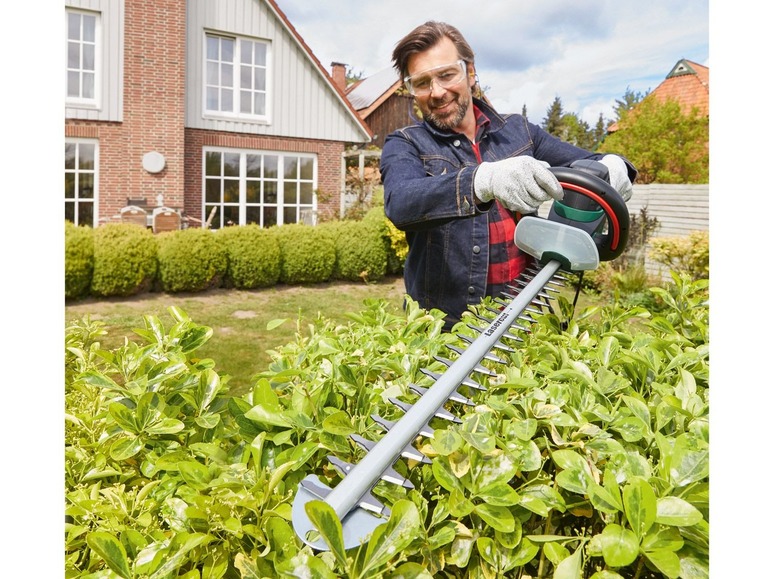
527 53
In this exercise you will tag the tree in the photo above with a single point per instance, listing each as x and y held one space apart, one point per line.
665 144
552 121
628 102
600 130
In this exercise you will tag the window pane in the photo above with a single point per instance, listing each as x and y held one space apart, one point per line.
73 26
290 167
231 191
227 100
212 73
253 191
69 155
253 166
69 211
73 84
86 186
246 77
227 75
259 103
253 215
246 52
290 193
306 168
212 191
260 79
269 216
69 185
213 163
270 191
261 51
88 85
290 215
85 213
212 48
227 49
86 157
230 216
271 166
307 193
245 107
231 168
89 59
89 28
73 55
212 99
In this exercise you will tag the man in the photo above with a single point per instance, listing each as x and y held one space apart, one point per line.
455 181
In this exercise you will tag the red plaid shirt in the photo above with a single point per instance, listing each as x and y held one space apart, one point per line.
505 261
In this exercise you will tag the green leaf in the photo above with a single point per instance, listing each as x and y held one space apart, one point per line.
677 512
165 426
500 494
392 537
442 535
328 524
444 475
574 480
181 545
499 518
195 474
664 539
126 447
640 505
109 548
619 546
207 420
602 499
209 385
567 459
268 415
273 324
123 417
570 567
524 429
338 423
410 571
446 442
666 561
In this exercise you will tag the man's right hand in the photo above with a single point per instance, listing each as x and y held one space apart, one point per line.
521 183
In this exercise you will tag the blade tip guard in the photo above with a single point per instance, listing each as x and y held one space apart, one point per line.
547 240
357 525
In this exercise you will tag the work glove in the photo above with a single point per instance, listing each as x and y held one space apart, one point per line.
617 173
521 183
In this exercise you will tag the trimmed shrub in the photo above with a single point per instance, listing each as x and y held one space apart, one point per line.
254 257
190 260
394 239
684 254
124 260
360 251
307 253
78 260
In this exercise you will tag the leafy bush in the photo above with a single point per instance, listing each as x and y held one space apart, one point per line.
307 253
394 239
360 251
688 255
190 260
78 260
254 257
586 455
124 260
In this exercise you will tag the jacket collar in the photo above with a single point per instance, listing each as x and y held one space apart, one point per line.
496 120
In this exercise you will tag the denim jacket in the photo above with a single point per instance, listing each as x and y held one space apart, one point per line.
428 179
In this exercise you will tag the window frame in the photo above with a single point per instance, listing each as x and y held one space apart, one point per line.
80 100
77 172
235 113
243 180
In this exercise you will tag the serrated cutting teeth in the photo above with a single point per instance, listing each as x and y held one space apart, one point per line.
479 368
407 452
440 413
389 475
387 425
465 382
455 397
367 501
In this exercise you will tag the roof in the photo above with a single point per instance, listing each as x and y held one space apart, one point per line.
366 95
688 83
333 86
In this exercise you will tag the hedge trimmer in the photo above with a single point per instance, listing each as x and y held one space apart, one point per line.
589 225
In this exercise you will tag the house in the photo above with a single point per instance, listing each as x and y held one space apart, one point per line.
211 107
688 83
378 101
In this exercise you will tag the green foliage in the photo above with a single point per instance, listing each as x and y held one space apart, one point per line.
124 260
190 260
689 255
394 239
360 251
665 144
78 260
254 256
307 253
586 456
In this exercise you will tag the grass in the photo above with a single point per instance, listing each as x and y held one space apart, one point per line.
239 318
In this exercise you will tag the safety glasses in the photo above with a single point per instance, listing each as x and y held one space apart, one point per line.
445 75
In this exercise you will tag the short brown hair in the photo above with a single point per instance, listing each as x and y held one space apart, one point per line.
424 37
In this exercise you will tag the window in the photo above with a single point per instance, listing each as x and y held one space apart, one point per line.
236 77
80 182
81 83
266 188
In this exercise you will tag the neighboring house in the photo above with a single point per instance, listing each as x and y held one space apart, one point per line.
378 101
200 105
689 84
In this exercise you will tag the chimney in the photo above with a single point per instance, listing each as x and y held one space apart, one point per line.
339 75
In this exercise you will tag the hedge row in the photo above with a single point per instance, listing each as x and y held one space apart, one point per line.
124 259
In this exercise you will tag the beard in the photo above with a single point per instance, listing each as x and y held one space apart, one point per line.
452 119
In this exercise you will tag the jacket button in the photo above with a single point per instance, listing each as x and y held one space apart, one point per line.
471 290
476 249
456 143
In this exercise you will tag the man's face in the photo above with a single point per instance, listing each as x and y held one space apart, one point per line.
443 107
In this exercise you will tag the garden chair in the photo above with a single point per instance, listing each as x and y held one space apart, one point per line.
166 219
134 214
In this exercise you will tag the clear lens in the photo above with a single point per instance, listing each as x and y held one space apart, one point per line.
446 76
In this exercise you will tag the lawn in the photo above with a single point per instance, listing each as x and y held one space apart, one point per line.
239 318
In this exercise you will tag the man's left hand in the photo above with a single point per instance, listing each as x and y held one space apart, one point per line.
618 177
